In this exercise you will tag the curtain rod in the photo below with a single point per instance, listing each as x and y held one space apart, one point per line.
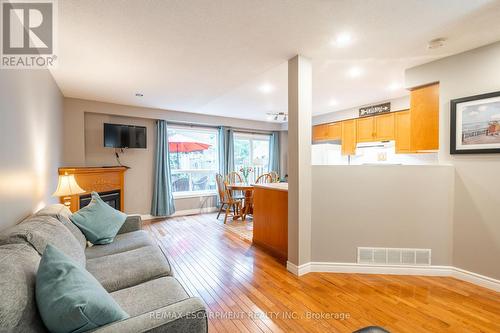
236 129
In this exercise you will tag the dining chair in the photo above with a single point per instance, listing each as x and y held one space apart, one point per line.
226 198
275 176
264 179
234 177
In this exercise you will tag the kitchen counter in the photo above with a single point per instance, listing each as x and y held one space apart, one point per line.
274 186
270 219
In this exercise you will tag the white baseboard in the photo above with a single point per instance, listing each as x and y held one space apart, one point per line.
183 213
333 267
478 279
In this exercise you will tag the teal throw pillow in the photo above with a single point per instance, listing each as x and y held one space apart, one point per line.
98 221
69 298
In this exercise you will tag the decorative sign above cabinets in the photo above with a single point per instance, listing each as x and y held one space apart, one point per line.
374 109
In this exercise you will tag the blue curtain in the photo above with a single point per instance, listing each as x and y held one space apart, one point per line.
274 152
163 200
226 150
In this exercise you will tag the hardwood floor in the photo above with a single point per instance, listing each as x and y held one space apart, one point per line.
246 290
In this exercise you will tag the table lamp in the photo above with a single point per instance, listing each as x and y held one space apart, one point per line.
66 187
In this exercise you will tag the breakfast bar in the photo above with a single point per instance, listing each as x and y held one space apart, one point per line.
270 224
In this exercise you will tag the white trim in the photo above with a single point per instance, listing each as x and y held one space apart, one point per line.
194 194
298 270
333 267
477 279
185 212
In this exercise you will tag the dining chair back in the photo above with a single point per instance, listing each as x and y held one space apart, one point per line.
275 176
227 200
221 187
264 179
233 177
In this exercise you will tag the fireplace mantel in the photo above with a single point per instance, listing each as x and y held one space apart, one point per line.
96 179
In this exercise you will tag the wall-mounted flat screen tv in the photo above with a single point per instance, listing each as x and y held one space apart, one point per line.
124 136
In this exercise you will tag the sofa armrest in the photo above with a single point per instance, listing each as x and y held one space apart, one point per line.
188 315
132 223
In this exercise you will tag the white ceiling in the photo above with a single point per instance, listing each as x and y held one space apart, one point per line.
213 57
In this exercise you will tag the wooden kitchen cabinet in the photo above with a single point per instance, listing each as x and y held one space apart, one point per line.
349 137
365 129
327 132
424 118
384 127
402 129
335 131
320 132
376 128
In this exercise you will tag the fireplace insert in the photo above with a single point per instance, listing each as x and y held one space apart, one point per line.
112 198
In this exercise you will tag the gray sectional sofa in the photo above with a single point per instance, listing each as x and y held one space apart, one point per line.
132 269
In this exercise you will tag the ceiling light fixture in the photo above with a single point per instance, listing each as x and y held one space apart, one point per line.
266 88
333 102
355 72
394 86
343 39
276 116
139 95
436 43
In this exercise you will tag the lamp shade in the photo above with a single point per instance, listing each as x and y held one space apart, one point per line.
67 186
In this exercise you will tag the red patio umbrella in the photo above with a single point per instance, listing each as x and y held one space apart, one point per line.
182 144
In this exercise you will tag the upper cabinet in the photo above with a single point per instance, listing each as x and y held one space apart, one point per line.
415 130
327 132
424 118
349 137
377 128
402 128
384 127
365 129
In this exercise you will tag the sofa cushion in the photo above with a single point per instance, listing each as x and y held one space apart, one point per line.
63 214
42 230
127 269
18 311
123 242
150 296
69 298
98 221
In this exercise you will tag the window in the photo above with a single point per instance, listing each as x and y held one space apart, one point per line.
251 150
193 159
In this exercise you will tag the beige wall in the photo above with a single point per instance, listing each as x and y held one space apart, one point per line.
139 178
476 231
83 146
30 142
381 206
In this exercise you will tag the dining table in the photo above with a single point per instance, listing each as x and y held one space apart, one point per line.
247 189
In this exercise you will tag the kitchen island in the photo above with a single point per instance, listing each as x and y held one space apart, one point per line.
270 219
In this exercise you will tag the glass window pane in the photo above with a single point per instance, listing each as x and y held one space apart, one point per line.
193 159
252 150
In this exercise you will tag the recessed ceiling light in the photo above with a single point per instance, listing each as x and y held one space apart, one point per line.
266 88
354 72
436 43
343 39
333 102
139 95
394 86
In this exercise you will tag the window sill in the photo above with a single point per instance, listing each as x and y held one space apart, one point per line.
185 195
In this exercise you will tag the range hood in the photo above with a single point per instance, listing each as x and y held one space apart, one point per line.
375 144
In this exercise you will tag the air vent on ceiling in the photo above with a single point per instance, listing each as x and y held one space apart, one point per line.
393 256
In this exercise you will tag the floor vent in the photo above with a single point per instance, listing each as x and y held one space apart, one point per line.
393 256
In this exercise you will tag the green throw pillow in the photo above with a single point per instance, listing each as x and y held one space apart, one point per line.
69 298
98 221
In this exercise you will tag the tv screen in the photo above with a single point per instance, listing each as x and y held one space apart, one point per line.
124 136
